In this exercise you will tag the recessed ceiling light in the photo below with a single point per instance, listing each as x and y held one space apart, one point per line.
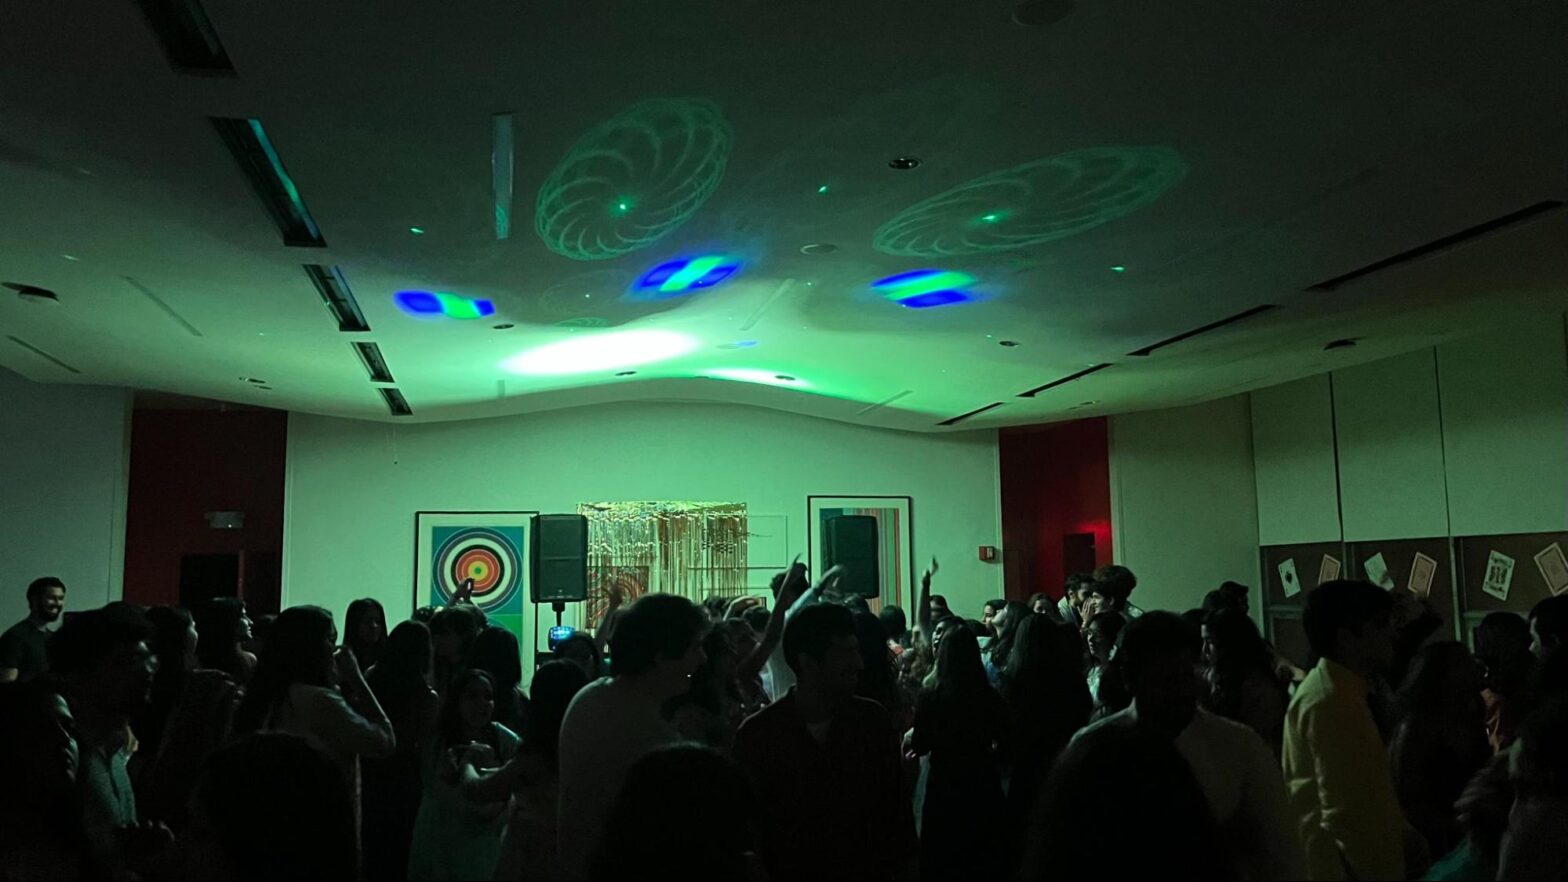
822 189
622 206
418 231
991 218
504 326
903 163
739 344
818 248
755 375
70 257
600 352
1088 403
253 380
1341 344
1008 343
626 374
1118 269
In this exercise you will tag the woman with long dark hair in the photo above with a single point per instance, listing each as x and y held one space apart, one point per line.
454 837
709 712
224 627
960 721
365 631
1439 740
306 685
878 680
1006 623
497 653
392 785
1239 676
1047 701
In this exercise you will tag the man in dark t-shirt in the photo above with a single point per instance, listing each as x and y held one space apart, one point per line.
826 764
22 645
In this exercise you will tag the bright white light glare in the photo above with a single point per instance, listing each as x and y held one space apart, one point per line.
610 351
755 375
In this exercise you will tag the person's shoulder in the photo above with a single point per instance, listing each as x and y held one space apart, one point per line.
590 701
1234 735
15 632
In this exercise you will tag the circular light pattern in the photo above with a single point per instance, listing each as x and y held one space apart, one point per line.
1033 203
903 163
608 351
633 179
488 557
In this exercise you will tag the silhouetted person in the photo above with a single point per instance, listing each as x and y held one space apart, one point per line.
1549 626
497 653
365 631
1440 741
614 721
1240 678
1336 767
22 646
826 763
392 785
1502 648
225 627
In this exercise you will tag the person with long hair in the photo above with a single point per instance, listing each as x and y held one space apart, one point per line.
497 653
709 711
1006 622
1439 741
365 631
392 784
960 722
224 627
896 624
305 684
456 837
1239 679
878 680
531 779
1100 633
1047 701
1502 647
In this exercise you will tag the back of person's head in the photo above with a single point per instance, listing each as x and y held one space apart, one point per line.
756 617
1159 653
1116 582
1232 642
715 606
403 671
272 806
709 838
1442 676
959 670
220 624
1549 623
654 627
940 601
977 628
496 652
424 615
1501 639
814 630
457 620
579 649
894 622
1137 778
104 656
877 681
299 650
1342 605
857 604
37 587
1220 599
554 686
172 643
1045 656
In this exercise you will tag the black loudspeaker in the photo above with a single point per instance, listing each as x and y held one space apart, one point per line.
852 543
560 559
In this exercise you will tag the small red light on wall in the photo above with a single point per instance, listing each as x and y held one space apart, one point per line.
988 552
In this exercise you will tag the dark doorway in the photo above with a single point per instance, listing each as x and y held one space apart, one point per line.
1077 554
204 576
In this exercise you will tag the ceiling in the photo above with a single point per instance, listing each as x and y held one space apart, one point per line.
1225 156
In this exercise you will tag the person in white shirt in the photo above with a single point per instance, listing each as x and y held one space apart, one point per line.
1238 773
616 720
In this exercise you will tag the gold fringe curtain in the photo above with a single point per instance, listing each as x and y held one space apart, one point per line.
694 549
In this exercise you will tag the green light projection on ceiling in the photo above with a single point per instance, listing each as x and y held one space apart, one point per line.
608 351
1033 203
633 179
757 375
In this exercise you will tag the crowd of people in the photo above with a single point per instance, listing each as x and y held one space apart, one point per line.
803 736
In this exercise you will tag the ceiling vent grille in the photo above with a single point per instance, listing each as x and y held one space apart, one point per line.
1436 246
1064 380
187 37
1211 326
375 365
336 295
259 162
396 403
973 413
42 354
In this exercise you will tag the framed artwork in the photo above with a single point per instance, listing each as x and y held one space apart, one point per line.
489 547
895 539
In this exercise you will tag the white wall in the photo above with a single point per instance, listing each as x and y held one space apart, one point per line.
1184 509
64 468
1293 452
353 487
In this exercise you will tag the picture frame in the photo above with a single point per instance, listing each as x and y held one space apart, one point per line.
896 540
490 547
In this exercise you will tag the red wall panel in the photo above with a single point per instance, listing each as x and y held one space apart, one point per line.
1055 481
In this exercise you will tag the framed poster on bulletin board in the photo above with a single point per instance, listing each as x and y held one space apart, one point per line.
1512 572
1421 567
1289 571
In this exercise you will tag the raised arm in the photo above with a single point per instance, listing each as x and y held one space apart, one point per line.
923 611
789 593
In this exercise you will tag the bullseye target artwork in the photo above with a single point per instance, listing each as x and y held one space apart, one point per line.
487 551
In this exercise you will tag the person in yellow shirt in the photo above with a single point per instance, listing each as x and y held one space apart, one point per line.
1337 773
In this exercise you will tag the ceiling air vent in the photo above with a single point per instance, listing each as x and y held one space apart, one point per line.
1064 380
396 402
973 413
1211 326
1436 246
187 37
336 295
375 365
42 354
259 162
